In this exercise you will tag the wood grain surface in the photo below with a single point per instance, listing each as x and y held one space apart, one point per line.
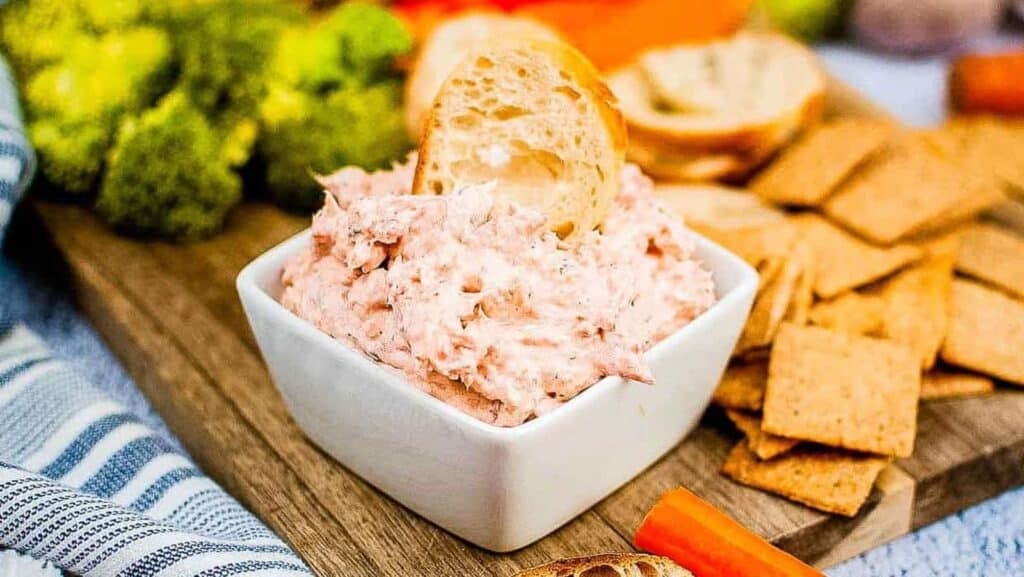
172 315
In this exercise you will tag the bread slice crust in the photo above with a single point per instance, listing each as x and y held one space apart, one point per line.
652 107
533 116
622 564
445 47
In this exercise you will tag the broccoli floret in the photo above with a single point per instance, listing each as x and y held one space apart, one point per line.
115 72
308 59
167 174
360 127
106 15
353 47
334 100
74 103
70 154
371 38
223 49
39 32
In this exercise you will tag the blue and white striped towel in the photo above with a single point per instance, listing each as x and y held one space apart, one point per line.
85 485
17 162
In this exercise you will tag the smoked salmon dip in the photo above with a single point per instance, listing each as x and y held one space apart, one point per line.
476 303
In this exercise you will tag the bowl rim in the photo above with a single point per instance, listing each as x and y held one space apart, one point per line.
255 293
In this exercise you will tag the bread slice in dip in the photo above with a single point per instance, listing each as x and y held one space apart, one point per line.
445 48
532 116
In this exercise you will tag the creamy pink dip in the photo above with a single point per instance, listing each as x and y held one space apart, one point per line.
479 305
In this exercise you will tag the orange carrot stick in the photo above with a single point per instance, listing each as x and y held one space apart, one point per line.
704 540
992 83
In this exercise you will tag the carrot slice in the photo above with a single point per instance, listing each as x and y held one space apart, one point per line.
706 541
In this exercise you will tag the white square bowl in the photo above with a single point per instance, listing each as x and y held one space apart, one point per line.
500 488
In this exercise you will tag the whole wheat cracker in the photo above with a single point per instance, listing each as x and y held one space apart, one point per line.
715 205
986 332
987 197
769 270
981 144
828 480
764 445
916 309
844 262
770 308
756 244
993 254
742 386
803 297
944 384
943 244
908 189
842 390
1009 213
851 312
807 172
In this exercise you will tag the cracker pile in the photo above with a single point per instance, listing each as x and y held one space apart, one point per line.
880 287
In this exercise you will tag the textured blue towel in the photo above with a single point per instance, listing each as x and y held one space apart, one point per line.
17 162
83 483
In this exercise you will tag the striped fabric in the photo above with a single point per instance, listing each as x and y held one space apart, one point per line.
85 485
88 487
17 163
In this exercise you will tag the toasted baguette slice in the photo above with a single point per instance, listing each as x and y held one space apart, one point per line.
689 168
666 163
446 46
532 116
623 565
749 92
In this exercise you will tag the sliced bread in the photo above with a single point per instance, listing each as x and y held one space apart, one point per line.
752 91
662 161
446 46
621 565
532 116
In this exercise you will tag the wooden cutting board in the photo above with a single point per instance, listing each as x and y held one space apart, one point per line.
172 315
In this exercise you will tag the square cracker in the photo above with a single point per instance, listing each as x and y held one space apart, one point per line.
843 262
742 386
993 254
842 390
945 384
803 297
757 244
906 190
811 168
827 480
764 445
986 332
770 308
851 312
981 145
705 205
917 306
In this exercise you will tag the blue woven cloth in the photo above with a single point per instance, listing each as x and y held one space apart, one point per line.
86 485
17 162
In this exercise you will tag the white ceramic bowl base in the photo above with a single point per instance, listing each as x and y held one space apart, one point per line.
499 488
